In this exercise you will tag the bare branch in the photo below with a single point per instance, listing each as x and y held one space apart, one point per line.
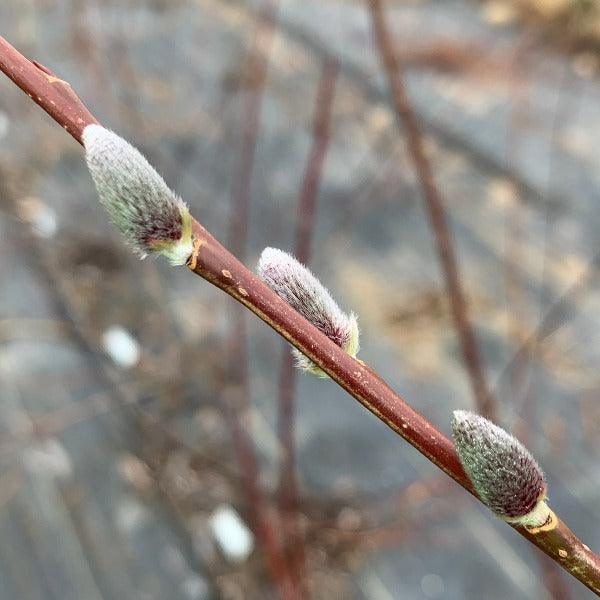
47 90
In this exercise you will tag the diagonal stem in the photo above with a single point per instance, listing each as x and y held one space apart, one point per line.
53 94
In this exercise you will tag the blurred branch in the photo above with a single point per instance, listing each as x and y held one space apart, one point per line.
254 79
263 526
316 160
435 208
305 216
522 395
406 117
237 400
555 318
218 266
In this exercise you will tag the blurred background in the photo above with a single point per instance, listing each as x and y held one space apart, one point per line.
155 441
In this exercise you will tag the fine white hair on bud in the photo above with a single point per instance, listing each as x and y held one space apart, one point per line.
152 218
295 284
503 472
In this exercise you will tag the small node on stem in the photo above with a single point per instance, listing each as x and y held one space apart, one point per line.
152 218
295 284
504 474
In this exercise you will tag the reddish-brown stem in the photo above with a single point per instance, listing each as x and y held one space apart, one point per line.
54 95
288 490
435 209
305 216
218 266
238 403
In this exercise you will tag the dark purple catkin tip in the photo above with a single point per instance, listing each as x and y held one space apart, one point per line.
503 472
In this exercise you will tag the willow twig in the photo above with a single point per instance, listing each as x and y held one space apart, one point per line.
54 95
217 265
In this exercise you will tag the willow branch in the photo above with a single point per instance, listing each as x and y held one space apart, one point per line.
54 95
217 265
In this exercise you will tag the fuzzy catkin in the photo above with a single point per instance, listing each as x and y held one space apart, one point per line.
149 215
503 472
295 284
